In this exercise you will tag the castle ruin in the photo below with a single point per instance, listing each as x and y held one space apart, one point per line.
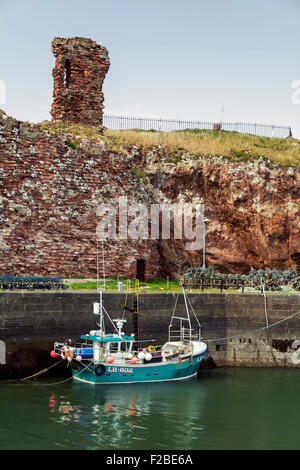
80 68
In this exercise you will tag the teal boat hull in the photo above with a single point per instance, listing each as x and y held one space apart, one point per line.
133 373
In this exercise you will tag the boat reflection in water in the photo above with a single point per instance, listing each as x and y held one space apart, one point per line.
139 416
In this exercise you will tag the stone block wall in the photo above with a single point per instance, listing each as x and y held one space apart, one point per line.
31 322
49 194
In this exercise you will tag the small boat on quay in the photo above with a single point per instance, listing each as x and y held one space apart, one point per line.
113 358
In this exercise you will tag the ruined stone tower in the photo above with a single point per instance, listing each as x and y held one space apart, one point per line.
79 72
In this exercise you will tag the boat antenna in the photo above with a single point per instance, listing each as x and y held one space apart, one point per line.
100 291
103 263
97 263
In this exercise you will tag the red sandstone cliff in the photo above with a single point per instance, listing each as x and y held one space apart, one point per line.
254 212
49 193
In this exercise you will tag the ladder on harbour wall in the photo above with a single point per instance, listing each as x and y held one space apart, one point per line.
135 319
135 304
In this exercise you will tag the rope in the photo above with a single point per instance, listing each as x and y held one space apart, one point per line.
198 323
253 331
123 316
174 306
66 380
57 383
41 371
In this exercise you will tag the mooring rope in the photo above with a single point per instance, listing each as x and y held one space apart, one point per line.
252 331
69 378
41 371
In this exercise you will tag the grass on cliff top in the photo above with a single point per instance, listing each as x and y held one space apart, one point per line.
111 285
232 145
152 286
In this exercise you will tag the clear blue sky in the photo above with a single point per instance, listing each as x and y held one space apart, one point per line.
169 58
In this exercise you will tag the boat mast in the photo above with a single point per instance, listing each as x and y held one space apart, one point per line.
187 312
101 319
100 291
181 318
98 309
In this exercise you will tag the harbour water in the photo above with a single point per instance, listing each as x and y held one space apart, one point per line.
224 408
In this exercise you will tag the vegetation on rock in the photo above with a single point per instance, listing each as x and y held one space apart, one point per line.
231 145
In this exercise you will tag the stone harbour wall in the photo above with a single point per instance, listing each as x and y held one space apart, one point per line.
31 322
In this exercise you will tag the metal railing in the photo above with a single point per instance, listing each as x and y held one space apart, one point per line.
169 125
184 334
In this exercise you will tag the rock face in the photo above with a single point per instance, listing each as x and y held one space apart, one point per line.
254 212
49 193
79 72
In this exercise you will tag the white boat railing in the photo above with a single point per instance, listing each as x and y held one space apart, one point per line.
184 334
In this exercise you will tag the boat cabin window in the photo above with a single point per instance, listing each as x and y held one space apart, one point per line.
114 347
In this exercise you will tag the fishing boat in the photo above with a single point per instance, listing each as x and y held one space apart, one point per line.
113 357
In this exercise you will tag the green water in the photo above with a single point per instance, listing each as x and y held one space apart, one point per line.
222 409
